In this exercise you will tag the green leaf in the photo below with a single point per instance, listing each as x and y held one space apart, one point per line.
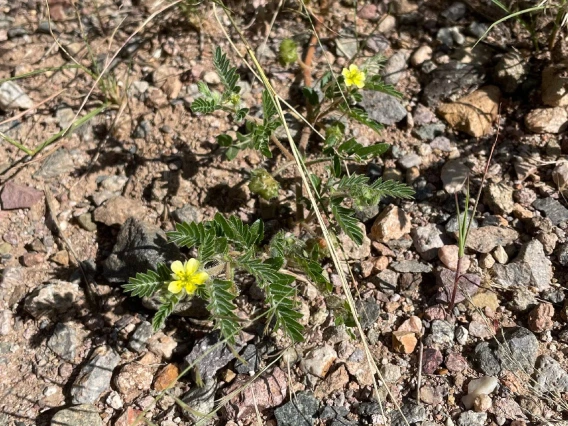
268 107
204 106
311 95
367 152
242 235
222 308
208 247
362 117
347 222
164 311
188 234
391 188
241 113
224 140
336 166
204 90
334 134
146 284
377 84
228 75
232 153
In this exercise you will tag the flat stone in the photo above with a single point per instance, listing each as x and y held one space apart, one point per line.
451 81
319 360
454 174
58 164
139 247
80 415
553 210
550 376
468 285
117 210
64 341
547 120
369 311
554 86
431 360
13 96
208 356
487 238
94 377
248 361
471 418
55 300
15 196
395 68
511 71
413 266
301 411
140 336
382 107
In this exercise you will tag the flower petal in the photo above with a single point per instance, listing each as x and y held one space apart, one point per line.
345 73
175 287
177 267
191 266
199 277
353 68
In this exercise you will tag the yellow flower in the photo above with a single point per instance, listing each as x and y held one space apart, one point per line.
354 76
186 276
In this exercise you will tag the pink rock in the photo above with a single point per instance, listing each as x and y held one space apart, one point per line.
16 196
368 12
456 362
431 360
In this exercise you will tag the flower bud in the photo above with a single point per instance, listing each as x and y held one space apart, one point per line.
263 184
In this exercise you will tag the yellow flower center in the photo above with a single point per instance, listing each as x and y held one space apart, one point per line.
186 276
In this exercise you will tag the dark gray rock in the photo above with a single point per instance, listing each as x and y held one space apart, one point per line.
343 422
563 254
94 377
80 415
452 225
140 336
455 12
550 376
517 350
333 412
553 210
386 281
369 311
139 247
200 400
429 132
300 411
250 357
209 355
384 108
451 81
143 130
367 409
409 413
64 341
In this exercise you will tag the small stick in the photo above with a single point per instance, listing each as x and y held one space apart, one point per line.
419 380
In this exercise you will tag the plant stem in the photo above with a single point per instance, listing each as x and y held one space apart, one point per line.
16 144
293 163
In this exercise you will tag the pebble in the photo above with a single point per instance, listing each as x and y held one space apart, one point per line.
391 224
455 362
560 177
268 391
133 379
429 132
468 285
387 24
487 238
431 360
188 214
547 120
80 415
200 399
15 196
5 322
448 255
207 356
302 411
319 360
13 96
553 210
554 86
368 311
474 113
454 174
428 239
422 54
85 221
540 318
482 386
94 376
139 246
410 412
390 373
441 333
395 68
518 348
404 342
471 418
117 210
382 107
410 160
550 376
64 341
499 198
53 300
166 377
511 71
455 11
56 165
141 335
412 266
450 81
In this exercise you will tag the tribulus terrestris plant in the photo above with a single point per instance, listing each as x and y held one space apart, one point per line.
227 246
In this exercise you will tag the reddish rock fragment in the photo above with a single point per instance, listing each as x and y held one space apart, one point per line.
16 196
